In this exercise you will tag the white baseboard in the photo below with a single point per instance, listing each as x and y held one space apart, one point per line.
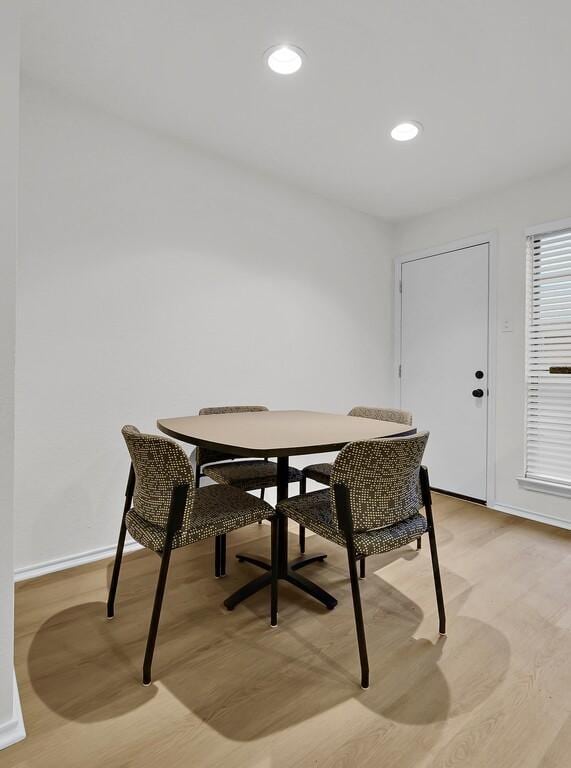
50 566
13 731
62 563
558 522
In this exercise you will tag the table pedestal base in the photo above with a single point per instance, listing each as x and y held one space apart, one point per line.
294 565
291 576
287 571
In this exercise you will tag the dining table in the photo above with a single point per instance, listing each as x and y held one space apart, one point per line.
280 435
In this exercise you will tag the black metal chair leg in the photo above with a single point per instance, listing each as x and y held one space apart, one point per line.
302 539
419 543
359 623
302 487
156 615
427 500
362 568
217 557
343 505
120 545
223 555
437 583
116 569
178 503
274 581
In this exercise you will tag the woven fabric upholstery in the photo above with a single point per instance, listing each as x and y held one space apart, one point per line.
231 409
217 509
382 476
250 474
208 456
314 510
382 414
321 473
160 465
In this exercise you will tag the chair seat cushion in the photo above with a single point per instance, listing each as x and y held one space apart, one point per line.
217 509
249 475
321 473
314 511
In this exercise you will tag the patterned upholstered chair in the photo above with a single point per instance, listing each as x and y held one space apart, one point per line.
321 473
378 488
164 511
246 474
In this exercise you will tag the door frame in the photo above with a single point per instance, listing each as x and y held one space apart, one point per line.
491 240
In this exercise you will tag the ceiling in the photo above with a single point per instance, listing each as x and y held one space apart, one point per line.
489 80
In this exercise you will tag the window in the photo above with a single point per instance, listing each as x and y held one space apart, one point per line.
548 416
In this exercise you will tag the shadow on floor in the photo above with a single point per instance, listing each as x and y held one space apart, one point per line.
248 681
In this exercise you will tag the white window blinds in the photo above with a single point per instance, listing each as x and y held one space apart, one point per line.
548 422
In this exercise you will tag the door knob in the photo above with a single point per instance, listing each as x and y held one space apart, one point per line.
477 393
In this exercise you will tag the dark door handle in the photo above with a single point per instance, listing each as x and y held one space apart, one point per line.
477 393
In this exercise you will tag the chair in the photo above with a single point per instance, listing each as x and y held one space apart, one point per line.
246 474
378 488
163 511
321 473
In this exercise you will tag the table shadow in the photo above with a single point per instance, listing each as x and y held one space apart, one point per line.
248 681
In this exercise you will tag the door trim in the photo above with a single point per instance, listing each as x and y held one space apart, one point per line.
491 239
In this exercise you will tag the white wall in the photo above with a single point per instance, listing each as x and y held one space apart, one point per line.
11 728
155 280
507 212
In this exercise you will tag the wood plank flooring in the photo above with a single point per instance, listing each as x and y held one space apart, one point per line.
229 691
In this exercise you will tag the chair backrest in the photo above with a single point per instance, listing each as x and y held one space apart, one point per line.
382 477
208 456
382 414
160 465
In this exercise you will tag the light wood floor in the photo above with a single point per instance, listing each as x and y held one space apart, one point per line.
230 691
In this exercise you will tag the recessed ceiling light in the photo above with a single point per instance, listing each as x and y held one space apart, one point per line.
406 131
284 59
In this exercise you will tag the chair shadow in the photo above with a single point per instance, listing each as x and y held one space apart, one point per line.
81 666
248 681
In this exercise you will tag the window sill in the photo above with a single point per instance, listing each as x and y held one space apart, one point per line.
544 486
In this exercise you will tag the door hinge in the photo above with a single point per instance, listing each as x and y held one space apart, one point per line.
400 371
400 286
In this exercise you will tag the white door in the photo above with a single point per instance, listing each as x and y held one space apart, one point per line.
444 364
